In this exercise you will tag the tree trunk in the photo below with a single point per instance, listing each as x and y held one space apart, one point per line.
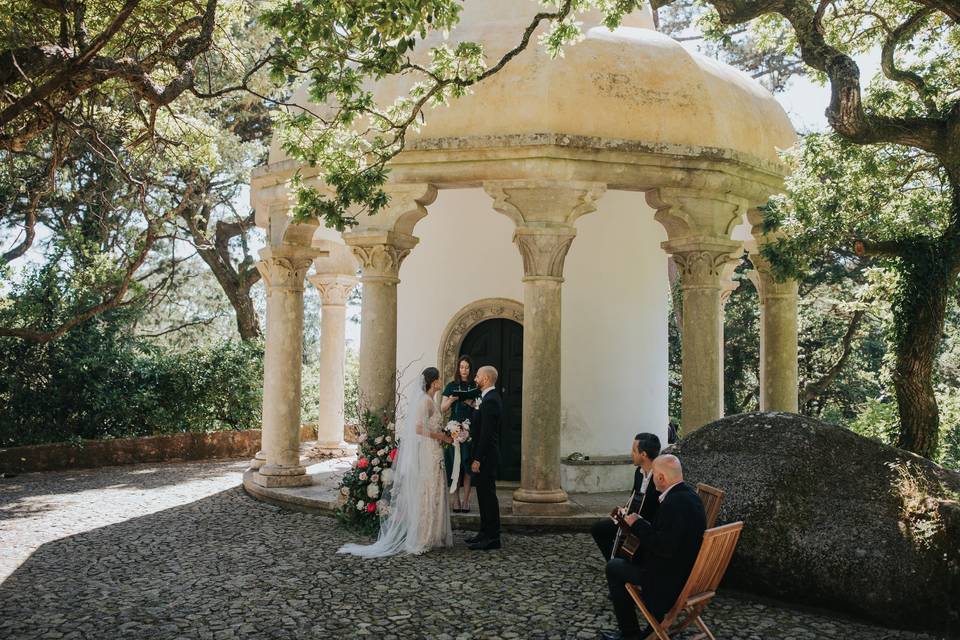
248 324
236 286
922 312
235 281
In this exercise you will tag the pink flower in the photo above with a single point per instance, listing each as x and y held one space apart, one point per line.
371 507
393 455
363 463
362 476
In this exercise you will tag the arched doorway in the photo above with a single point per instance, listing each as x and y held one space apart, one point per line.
499 342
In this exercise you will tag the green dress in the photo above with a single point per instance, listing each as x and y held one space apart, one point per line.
460 411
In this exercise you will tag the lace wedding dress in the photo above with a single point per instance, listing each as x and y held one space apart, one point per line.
417 517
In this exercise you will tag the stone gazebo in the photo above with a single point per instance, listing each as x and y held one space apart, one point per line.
629 125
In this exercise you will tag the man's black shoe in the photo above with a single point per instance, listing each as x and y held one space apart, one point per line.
474 539
616 635
485 545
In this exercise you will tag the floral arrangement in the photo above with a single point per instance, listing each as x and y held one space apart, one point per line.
362 486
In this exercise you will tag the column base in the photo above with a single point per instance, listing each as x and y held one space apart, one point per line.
334 445
258 460
542 508
531 502
275 481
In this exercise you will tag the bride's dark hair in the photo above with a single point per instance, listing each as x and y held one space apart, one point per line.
429 375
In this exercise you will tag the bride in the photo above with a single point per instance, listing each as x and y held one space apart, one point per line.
418 513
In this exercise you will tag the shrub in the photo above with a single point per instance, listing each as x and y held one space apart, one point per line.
98 381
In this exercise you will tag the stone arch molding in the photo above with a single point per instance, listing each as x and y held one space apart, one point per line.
466 319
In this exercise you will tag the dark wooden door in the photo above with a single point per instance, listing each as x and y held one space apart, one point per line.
499 342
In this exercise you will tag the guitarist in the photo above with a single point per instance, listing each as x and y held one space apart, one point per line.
643 501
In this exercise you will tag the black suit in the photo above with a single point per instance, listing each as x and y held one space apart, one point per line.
644 503
486 451
670 547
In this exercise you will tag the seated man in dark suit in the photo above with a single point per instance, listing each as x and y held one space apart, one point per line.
670 547
644 500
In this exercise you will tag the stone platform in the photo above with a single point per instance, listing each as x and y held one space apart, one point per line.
322 496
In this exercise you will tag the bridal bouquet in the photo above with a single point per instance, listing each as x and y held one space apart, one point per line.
460 432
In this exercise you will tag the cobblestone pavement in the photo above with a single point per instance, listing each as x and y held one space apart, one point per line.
179 551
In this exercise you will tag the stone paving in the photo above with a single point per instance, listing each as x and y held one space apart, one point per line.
179 551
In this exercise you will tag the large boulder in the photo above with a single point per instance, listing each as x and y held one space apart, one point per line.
834 519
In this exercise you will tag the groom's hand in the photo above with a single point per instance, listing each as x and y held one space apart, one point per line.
475 467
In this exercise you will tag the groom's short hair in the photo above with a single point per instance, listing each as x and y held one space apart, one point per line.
490 372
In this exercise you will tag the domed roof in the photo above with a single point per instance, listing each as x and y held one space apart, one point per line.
632 84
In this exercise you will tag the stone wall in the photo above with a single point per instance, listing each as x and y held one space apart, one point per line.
164 448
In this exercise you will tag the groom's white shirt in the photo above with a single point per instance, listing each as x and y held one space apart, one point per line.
486 391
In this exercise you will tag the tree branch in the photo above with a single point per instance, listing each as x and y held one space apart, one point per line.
113 300
814 390
894 39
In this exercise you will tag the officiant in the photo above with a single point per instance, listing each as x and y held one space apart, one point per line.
458 398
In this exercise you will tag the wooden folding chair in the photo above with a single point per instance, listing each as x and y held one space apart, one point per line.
712 498
701 586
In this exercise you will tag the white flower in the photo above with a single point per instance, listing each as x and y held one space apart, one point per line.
389 438
375 462
373 491
379 440
375 478
391 427
345 491
362 476
376 469
387 476
381 452
361 505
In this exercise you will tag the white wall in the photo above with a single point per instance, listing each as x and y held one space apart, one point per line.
466 253
615 305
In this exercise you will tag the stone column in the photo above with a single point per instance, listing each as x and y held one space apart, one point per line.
283 273
334 291
544 213
380 256
543 253
778 340
701 264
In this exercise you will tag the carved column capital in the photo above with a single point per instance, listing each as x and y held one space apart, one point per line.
705 263
380 255
283 272
334 289
544 250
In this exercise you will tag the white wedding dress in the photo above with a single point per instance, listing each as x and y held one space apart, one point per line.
418 514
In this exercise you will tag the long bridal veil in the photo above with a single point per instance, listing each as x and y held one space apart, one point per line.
399 526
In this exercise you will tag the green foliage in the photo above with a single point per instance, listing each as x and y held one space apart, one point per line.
100 381
741 338
362 488
879 419
362 41
840 193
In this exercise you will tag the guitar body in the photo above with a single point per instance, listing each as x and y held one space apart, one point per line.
627 544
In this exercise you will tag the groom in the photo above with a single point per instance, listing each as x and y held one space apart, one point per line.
486 455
